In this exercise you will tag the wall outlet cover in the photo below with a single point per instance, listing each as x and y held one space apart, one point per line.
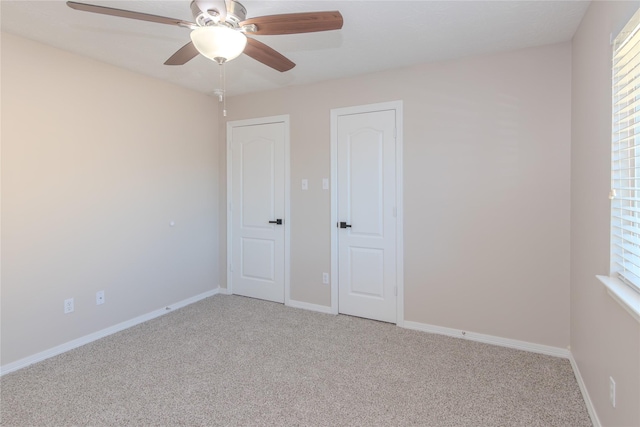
325 278
99 297
68 305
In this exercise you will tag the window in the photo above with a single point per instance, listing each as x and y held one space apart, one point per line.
624 282
625 156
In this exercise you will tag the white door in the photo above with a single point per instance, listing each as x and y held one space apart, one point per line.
257 211
366 187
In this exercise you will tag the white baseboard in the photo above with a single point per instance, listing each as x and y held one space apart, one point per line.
490 339
38 357
308 306
519 345
585 393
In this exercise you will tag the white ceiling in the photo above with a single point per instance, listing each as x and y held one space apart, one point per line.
377 35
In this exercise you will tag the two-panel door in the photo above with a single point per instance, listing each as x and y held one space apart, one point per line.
366 174
257 211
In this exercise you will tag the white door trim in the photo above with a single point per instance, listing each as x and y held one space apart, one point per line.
335 113
287 193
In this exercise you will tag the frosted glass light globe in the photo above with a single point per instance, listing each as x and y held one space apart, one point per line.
218 42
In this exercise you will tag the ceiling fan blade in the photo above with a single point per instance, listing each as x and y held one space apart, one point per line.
128 14
294 23
218 5
268 56
185 54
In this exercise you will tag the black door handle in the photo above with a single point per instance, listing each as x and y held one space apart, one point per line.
277 221
344 225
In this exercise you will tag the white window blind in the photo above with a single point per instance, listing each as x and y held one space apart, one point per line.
625 155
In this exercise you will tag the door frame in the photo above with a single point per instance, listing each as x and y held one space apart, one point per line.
370 108
287 194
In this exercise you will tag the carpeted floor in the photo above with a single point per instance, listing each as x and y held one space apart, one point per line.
234 361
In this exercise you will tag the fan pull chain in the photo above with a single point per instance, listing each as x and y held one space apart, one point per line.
222 92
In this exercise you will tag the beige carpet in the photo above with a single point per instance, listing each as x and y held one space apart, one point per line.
234 361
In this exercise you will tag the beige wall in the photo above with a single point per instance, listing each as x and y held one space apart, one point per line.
486 188
96 161
605 339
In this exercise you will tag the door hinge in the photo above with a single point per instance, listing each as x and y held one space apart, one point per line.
231 268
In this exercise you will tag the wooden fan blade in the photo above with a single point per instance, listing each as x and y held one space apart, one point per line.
128 14
268 56
294 23
185 54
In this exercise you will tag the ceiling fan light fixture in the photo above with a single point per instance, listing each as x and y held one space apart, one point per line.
218 42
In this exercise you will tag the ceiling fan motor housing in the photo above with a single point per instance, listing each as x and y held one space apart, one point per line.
201 18
236 13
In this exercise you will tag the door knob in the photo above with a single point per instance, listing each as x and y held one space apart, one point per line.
277 221
344 225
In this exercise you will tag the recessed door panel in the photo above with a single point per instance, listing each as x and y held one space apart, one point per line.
257 183
367 272
365 189
258 256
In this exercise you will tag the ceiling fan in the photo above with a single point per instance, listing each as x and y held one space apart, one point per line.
221 28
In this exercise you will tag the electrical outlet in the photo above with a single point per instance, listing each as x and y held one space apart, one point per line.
99 297
68 305
612 392
325 278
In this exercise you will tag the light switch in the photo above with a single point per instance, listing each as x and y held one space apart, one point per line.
305 184
325 183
